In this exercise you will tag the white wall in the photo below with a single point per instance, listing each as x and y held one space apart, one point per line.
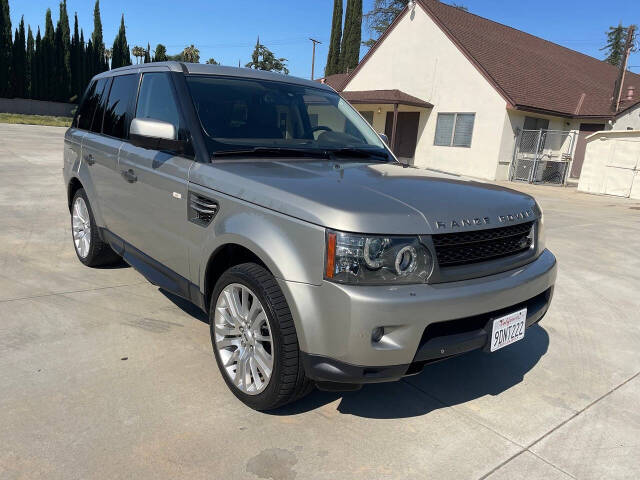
419 59
628 120
612 164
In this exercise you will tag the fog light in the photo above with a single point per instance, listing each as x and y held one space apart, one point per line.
377 334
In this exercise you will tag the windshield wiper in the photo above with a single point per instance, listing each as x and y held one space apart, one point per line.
274 151
359 153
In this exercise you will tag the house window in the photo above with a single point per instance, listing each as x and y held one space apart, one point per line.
454 129
532 123
368 116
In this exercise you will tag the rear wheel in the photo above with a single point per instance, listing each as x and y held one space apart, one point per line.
254 339
90 248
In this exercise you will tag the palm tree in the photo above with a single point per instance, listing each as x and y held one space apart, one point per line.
191 54
138 52
108 53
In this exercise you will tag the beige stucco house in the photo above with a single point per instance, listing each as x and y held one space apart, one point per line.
453 91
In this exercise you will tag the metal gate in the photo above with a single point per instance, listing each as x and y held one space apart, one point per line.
542 156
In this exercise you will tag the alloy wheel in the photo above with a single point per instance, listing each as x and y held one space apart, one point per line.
81 226
243 338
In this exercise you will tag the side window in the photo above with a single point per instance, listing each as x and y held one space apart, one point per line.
102 89
86 108
454 129
116 115
156 100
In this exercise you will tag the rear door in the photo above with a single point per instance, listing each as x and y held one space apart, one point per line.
100 154
156 201
118 107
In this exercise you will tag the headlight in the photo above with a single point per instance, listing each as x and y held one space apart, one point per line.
376 259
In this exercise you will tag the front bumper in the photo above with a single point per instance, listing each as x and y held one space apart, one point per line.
422 323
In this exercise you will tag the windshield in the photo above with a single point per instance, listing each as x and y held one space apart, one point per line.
246 114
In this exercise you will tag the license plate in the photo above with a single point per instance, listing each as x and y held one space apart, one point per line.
508 329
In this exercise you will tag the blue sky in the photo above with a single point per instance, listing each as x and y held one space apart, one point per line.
227 30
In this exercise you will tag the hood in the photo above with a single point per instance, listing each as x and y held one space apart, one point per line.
367 198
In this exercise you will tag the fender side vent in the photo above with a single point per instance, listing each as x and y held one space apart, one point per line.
201 209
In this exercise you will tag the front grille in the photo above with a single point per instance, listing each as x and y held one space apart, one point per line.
477 246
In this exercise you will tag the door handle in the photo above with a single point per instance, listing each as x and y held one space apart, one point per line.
89 159
129 175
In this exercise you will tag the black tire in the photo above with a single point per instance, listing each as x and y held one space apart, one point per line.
288 381
100 253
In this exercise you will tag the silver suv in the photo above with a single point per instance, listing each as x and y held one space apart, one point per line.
270 203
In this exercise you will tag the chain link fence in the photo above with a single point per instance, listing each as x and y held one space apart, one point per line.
542 156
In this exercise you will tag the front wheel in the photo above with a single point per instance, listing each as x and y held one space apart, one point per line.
254 339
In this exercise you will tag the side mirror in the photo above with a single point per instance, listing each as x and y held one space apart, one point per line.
154 135
384 138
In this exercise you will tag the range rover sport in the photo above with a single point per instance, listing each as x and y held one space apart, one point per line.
270 203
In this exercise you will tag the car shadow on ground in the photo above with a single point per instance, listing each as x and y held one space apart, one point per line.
186 306
443 384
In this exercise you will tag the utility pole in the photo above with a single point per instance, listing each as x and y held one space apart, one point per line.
623 68
313 58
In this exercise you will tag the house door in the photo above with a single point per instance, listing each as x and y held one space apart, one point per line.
586 129
406 133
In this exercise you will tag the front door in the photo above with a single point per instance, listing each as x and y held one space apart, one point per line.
586 129
406 133
156 192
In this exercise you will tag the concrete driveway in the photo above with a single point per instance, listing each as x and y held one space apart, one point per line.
102 375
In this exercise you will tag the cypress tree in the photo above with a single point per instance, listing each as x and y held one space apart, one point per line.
350 50
99 62
333 59
121 56
88 72
75 66
29 63
19 63
48 62
147 54
36 69
62 55
5 48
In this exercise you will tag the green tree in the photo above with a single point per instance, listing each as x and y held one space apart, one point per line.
97 59
264 59
160 55
147 54
29 63
36 69
381 15
191 54
62 51
75 61
121 57
19 62
48 62
333 58
350 49
212 61
616 40
6 46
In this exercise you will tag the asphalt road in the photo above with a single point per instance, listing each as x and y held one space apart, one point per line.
102 375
